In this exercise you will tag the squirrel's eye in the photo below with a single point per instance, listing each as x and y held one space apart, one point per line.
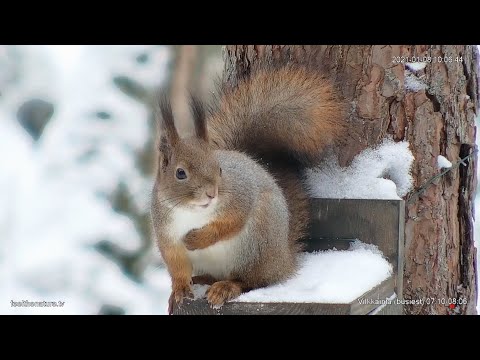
181 174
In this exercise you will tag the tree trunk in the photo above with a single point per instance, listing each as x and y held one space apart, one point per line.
434 110
183 72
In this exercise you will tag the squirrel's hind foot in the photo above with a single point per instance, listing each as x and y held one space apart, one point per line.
223 291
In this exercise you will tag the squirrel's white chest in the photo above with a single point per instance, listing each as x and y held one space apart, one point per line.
217 260
184 220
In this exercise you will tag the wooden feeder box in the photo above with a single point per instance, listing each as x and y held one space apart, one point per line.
336 223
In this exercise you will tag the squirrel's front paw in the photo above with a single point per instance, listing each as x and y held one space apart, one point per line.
179 292
223 291
194 240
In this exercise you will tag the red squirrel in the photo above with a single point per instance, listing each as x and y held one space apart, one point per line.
228 206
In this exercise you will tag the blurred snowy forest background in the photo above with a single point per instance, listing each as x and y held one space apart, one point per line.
76 170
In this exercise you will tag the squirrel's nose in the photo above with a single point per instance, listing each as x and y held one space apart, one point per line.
212 192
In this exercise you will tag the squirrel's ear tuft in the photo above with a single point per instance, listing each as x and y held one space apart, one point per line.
165 151
199 120
166 121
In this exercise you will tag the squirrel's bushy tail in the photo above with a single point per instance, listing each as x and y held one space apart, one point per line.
285 117
289 115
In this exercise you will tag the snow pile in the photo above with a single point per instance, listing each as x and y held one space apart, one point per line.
53 203
413 83
443 162
381 173
326 277
416 66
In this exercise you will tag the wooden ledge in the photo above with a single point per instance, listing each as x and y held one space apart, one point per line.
380 292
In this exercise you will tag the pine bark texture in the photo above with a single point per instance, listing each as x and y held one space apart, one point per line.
433 109
186 57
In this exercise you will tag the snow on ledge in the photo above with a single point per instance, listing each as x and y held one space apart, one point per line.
381 173
330 276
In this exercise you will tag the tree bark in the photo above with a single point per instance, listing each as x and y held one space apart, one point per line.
434 110
180 86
